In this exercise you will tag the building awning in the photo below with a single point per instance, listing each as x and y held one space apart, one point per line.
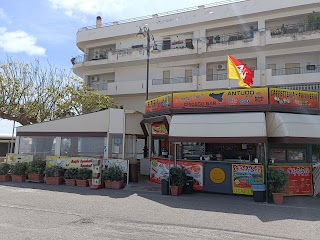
219 128
293 128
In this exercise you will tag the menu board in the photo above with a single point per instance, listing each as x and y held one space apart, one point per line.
195 170
299 179
244 175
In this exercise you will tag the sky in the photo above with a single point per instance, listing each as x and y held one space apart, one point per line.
46 29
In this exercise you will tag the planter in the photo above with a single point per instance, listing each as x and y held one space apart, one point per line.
113 184
54 180
5 178
277 198
18 178
70 182
35 177
82 183
176 190
90 182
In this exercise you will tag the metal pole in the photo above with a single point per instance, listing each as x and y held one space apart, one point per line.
148 62
11 146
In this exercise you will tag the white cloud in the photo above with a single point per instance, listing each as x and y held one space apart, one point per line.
121 9
20 41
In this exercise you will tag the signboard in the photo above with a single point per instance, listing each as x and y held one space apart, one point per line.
195 170
299 179
294 98
69 162
221 98
158 104
159 169
122 163
159 129
244 175
14 158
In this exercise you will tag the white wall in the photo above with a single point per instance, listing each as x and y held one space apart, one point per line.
303 59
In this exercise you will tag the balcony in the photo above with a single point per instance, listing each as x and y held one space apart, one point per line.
172 80
233 41
296 32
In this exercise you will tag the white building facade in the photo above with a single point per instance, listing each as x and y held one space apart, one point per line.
279 40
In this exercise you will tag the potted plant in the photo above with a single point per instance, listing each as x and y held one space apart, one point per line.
54 175
113 177
4 172
35 170
70 176
277 180
18 172
178 179
82 177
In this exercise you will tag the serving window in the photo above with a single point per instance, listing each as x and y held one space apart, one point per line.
290 153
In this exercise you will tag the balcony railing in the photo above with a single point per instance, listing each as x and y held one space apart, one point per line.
297 70
294 28
99 86
172 80
237 36
216 77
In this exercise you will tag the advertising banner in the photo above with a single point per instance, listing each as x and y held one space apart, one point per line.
159 129
159 169
122 163
195 170
221 98
158 104
294 98
69 162
14 158
299 180
244 175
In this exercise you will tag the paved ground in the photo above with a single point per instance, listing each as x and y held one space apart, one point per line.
37 211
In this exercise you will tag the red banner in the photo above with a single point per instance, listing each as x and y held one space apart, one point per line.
195 170
299 180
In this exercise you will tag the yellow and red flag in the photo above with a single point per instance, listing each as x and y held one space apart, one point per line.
237 70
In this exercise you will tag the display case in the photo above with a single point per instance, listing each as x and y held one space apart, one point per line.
191 150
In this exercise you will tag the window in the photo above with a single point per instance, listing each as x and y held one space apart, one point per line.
40 147
188 74
166 77
166 44
189 43
82 146
209 74
115 146
138 46
288 153
292 68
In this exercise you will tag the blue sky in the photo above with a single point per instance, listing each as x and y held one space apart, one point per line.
46 29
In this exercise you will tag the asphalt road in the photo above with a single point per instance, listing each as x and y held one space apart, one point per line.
37 211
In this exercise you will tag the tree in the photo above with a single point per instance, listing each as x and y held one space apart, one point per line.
32 93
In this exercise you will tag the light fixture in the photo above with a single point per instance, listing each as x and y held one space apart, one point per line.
155 49
140 34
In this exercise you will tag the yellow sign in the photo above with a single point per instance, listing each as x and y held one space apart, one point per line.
14 158
158 104
217 175
69 162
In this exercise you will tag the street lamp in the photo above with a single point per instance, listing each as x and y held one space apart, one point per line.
145 32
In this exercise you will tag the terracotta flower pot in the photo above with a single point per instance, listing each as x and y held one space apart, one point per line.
70 182
277 198
117 184
90 182
107 184
54 180
175 190
35 177
18 178
5 178
82 183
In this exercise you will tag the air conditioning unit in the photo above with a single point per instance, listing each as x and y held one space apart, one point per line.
311 67
221 67
94 79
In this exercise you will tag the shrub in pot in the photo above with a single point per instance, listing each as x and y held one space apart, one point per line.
178 178
70 176
18 172
4 172
113 177
36 169
277 180
82 177
54 175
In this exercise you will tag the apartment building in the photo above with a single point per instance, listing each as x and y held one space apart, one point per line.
279 40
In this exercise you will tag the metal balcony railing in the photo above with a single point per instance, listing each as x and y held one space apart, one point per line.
294 28
230 37
298 70
172 80
92 56
216 77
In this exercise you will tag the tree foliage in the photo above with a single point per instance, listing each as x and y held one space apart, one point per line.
32 93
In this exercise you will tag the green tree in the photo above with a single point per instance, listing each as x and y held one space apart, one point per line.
32 93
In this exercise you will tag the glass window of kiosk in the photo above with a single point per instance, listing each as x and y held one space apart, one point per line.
160 147
315 153
288 153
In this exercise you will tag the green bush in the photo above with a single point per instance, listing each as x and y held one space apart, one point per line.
177 177
84 174
19 169
113 173
71 173
4 168
37 166
54 171
277 180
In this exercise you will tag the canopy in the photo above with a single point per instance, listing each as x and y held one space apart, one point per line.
219 128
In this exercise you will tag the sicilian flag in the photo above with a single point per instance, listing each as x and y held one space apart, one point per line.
239 71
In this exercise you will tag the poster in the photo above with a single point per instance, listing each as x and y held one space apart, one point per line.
158 104
195 170
69 162
159 169
122 163
221 98
295 98
244 175
299 179
14 158
159 129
